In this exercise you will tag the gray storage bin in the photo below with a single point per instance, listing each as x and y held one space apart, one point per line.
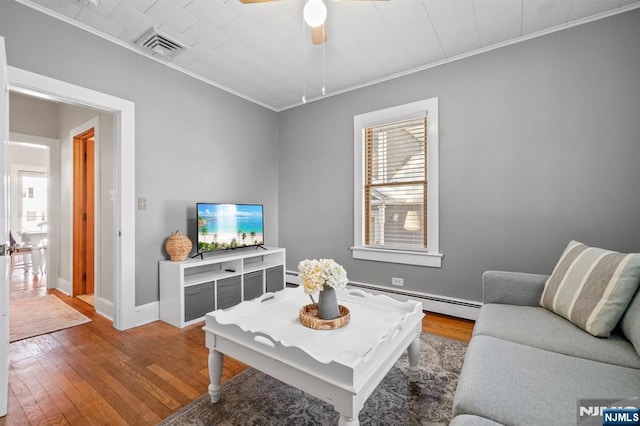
275 278
252 285
229 292
198 301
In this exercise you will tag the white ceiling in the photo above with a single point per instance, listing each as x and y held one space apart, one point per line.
258 52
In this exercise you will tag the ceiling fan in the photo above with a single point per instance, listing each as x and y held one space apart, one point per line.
315 15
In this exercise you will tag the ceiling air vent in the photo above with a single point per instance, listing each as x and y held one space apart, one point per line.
160 43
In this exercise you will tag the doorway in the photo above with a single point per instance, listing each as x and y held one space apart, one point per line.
122 309
83 215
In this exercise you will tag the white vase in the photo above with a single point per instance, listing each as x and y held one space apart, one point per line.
328 304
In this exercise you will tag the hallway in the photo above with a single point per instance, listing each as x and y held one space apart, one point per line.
24 284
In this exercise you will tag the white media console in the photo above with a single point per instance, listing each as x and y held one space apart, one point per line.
191 289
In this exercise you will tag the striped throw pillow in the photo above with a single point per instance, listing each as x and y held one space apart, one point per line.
592 287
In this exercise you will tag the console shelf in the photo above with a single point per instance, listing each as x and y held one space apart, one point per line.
192 288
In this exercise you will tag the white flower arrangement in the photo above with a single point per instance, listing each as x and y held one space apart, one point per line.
315 274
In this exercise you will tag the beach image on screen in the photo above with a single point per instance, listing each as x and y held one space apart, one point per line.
227 226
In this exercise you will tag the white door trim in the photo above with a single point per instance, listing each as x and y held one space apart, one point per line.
40 86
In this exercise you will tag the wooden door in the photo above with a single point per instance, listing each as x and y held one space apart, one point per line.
83 212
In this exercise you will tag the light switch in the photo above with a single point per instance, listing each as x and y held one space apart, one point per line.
142 203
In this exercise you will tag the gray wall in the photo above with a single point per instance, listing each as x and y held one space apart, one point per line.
31 116
193 142
539 144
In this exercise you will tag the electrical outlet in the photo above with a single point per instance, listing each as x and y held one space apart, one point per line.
142 203
397 281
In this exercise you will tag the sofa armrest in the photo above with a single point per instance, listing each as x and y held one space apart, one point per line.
513 288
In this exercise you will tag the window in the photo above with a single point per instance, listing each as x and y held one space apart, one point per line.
32 215
396 185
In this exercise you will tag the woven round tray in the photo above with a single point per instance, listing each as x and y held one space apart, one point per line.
309 318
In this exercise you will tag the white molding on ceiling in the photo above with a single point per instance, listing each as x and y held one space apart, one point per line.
132 48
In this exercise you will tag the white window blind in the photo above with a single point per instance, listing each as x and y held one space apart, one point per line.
395 187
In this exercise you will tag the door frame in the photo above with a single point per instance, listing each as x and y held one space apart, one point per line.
94 124
29 83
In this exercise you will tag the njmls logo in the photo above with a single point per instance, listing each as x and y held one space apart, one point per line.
607 412
621 416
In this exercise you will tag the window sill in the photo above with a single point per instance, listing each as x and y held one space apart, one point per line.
433 260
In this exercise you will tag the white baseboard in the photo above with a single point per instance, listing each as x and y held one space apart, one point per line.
64 286
459 308
104 307
145 314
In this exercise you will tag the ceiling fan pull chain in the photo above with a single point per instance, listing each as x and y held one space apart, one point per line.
304 64
323 62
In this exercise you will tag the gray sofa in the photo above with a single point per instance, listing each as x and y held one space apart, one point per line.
526 365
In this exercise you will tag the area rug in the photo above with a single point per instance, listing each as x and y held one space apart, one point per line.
253 398
34 316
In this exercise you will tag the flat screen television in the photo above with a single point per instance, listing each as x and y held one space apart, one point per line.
229 226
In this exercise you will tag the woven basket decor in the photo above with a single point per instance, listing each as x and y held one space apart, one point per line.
178 246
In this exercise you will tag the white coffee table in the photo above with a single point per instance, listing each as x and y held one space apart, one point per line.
341 367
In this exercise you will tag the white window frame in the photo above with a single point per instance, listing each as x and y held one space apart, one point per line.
432 256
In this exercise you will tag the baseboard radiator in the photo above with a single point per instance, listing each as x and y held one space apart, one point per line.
440 304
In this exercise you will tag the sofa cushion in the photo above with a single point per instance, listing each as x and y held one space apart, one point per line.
512 383
540 328
630 323
592 287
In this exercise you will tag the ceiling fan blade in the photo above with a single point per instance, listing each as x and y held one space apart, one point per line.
319 34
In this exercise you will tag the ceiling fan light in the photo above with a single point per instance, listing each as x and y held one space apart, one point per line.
315 13
90 3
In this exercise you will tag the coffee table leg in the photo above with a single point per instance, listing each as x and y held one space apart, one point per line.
414 354
215 374
346 421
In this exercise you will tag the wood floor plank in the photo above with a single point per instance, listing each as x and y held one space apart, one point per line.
181 386
446 326
98 408
15 411
67 388
48 397
24 396
92 372
40 396
46 374
118 396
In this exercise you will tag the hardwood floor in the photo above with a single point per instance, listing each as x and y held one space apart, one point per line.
93 374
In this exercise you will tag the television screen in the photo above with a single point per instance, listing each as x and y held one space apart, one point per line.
229 226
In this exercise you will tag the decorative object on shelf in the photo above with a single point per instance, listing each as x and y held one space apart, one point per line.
323 276
309 318
178 246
